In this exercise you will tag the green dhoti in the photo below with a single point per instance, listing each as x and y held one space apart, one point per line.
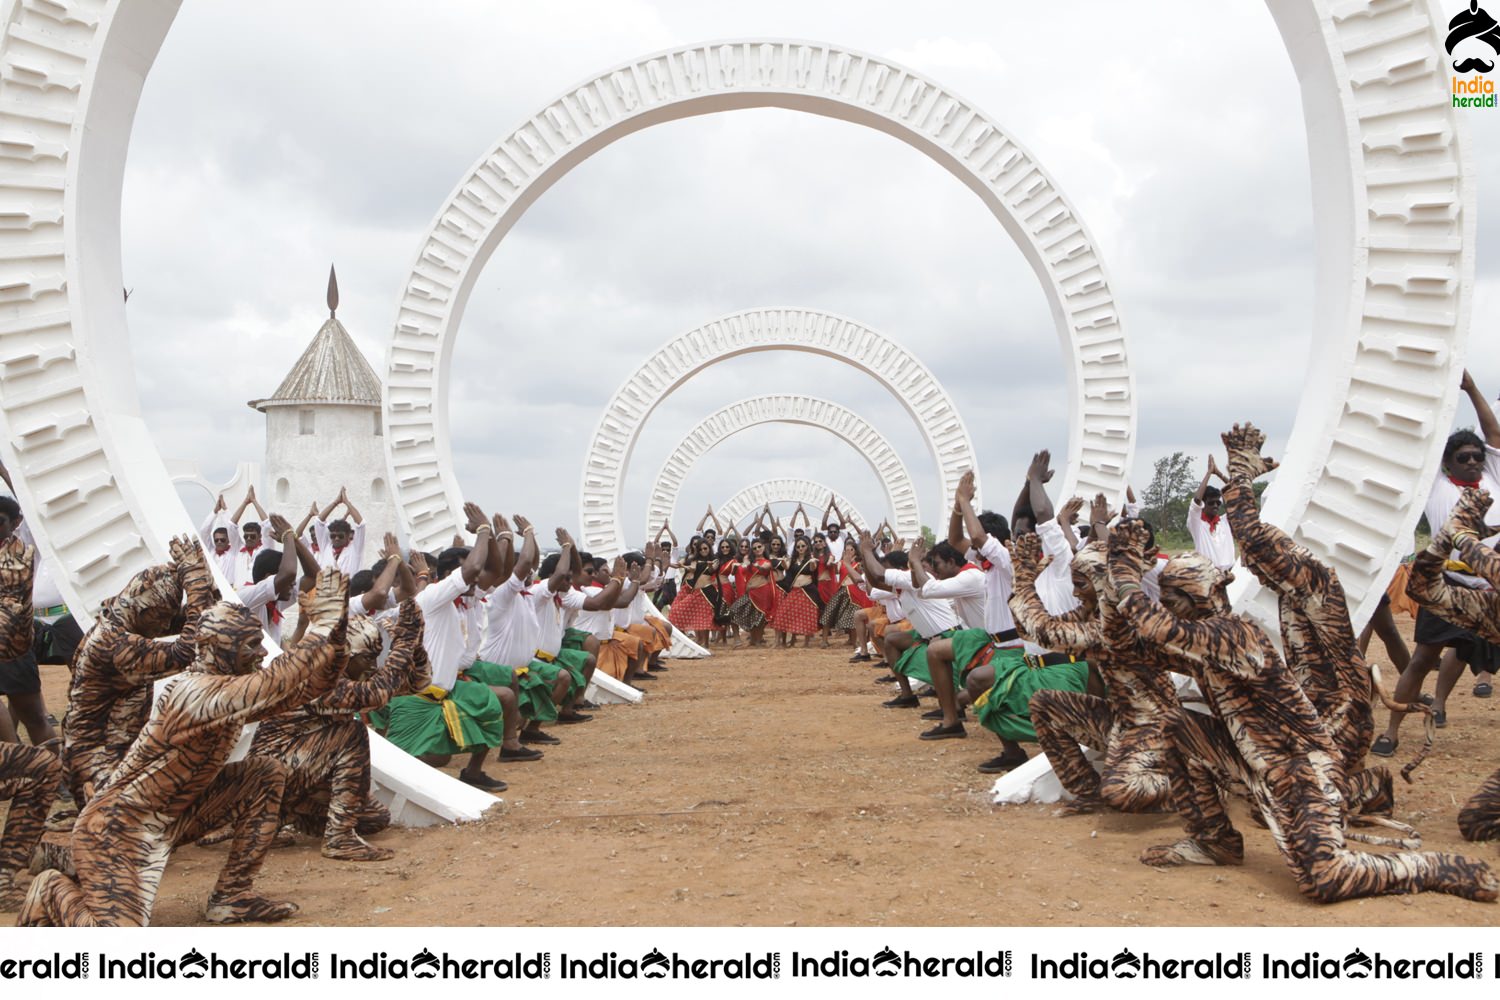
533 688
913 662
469 718
1005 708
573 638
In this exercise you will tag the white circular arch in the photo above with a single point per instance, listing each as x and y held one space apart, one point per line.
805 491
808 330
810 411
707 78
1393 207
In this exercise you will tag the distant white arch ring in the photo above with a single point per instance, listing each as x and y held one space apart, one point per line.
810 77
715 429
804 491
844 340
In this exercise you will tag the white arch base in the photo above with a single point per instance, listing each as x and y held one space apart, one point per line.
905 377
809 77
872 446
605 690
805 491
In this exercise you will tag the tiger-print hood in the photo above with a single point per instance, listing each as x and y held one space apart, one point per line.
1087 561
224 630
148 603
1196 578
365 640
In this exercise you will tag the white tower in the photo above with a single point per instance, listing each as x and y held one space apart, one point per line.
323 432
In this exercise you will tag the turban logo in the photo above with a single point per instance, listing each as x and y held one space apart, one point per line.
1473 23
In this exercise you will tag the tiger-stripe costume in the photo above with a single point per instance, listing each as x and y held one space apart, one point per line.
174 786
1476 610
1266 733
119 659
29 776
1127 725
1317 635
326 746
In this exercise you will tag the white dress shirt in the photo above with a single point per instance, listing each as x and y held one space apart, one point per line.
999 580
929 616
552 614
261 598
966 590
1054 585
511 633
349 559
1216 542
443 635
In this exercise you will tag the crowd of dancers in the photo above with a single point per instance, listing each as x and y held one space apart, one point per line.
1074 636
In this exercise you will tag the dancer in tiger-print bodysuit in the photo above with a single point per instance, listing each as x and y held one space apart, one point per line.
28 775
174 786
326 745
1476 610
1128 723
1265 732
1317 635
119 659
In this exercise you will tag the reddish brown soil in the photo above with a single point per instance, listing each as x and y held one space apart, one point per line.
770 788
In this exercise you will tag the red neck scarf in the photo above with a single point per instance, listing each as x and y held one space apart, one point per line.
461 604
250 548
1212 522
969 565
274 613
1466 485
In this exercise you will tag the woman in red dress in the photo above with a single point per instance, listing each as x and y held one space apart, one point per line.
838 615
720 592
752 610
779 561
797 613
691 611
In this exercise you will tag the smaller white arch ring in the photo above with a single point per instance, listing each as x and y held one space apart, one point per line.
809 411
809 330
805 491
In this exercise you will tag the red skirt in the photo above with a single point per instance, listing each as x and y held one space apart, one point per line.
795 613
827 588
691 612
860 598
764 597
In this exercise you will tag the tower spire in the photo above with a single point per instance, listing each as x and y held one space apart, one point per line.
333 292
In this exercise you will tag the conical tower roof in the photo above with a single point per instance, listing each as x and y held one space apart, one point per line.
331 370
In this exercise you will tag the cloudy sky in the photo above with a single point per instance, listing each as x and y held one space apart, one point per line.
278 137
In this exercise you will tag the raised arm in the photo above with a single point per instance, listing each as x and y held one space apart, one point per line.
526 559
1263 547
395 676
559 579
1099 519
1489 424
496 553
239 511
307 519
919 575
1203 484
1037 476
374 599
963 519
874 569
828 512
286 570
1066 517
473 564
354 515
1476 610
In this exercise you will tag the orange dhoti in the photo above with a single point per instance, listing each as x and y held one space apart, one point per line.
882 627
616 652
654 632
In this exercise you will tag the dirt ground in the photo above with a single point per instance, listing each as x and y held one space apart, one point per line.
768 787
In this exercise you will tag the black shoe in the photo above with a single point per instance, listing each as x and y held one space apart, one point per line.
523 754
1384 747
926 691
861 658
537 736
937 713
482 781
574 719
953 732
1004 762
903 701
586 706
887 679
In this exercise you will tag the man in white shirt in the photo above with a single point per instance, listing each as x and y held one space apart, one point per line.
1212 536
221 539
931 618
621 655
273 579
453 715
506 660
980 589
250 534
634 618
341 543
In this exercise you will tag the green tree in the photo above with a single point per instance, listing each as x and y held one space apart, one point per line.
928 538
1165 501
